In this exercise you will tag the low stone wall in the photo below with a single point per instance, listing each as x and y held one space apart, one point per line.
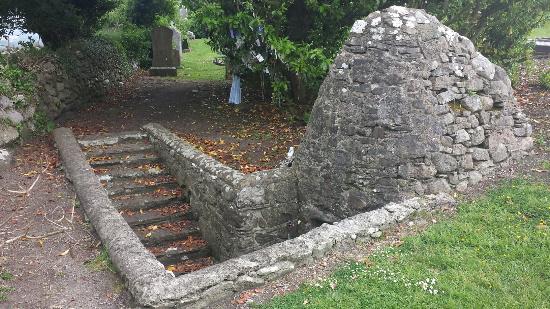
237 213
220 281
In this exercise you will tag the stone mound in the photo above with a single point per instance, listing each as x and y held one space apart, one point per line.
409 107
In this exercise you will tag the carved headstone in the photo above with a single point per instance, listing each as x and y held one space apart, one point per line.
165 55
409 107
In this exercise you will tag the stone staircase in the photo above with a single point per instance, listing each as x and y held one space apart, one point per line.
149 199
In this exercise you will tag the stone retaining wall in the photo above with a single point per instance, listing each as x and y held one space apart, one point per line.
70 77
237 213
220 281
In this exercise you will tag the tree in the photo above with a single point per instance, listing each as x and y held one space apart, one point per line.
145 12
499 29
56 21
293 41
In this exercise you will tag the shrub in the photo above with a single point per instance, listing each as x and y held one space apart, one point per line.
544 79
137 45
14 79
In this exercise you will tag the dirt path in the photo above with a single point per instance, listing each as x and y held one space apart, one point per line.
49 272
46 275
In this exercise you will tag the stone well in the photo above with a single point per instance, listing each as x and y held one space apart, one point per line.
408 108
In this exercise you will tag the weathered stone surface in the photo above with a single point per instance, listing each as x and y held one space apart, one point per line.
467 101
499 153
473 103
480 154
8 134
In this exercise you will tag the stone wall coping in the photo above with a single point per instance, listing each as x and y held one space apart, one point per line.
153 286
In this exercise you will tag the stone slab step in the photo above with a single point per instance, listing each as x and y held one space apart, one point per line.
125 148
185 267
159 215
108 174
175 256
131 159
111 138
139 185
150 235
145 202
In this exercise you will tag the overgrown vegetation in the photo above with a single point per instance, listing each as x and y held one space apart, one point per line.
4 290
493 254
129 25
102 262
14 79
545 79
198 63
292 42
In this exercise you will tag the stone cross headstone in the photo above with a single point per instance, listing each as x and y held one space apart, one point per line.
165 55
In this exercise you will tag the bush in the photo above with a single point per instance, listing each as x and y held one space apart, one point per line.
97 60
544 79
137 45
145 12
13 78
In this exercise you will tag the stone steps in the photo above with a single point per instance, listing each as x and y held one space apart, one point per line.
106 174
149 199
169 213
139 185
130 159
153 235
126 148
145 202
111 138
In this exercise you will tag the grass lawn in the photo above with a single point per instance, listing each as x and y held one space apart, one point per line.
495 253
197 64
542 32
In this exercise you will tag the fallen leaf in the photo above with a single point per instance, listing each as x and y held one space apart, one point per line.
64 252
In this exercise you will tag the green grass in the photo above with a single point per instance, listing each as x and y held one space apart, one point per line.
542 32
495 253
197 64
102 262
4 290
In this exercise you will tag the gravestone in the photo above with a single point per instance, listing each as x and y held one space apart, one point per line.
178 45
166 58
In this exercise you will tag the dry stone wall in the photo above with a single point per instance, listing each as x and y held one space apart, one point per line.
63 80
409 107
237 213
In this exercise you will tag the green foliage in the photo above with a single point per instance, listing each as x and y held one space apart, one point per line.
499 29
102 262
56 21
493 254
4 290
292 42
14 79
42 123
96 57
198 63
544 79
4 275
137 44
146 12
